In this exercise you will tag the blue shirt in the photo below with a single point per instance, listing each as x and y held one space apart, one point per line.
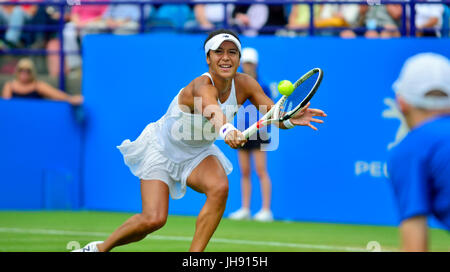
419 168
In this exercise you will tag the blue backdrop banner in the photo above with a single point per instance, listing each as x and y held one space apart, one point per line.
40 160
337 174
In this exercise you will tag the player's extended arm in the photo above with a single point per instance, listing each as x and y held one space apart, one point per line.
205 102
414 234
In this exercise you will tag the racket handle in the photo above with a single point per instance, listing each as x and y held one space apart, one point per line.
254 128
249 132
264 120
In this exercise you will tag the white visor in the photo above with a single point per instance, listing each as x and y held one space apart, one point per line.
217 40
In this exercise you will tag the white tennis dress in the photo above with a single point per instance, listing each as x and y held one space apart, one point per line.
170 148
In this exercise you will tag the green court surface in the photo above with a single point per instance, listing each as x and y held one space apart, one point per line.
59 231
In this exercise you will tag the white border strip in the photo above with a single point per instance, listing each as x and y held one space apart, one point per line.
186 239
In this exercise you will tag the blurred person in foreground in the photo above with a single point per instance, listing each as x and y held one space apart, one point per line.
26 85
253 148
419 167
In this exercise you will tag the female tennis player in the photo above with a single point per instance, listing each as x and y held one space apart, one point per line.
178 150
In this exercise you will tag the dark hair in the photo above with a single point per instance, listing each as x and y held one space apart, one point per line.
221 31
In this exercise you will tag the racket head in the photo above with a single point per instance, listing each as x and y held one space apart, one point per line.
304 89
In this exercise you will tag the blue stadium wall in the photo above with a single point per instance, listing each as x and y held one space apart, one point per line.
337 174
40 161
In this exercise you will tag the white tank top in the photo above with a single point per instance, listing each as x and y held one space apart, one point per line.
183 135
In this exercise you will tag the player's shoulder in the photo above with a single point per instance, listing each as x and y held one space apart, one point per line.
244 82
202 80
241 78
202 84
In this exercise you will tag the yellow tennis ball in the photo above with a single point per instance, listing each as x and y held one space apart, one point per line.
285 87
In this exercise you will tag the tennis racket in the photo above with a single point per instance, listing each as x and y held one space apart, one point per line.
287 106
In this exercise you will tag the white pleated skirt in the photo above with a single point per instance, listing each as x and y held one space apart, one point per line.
146 158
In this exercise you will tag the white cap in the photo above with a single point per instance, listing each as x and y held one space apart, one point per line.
249 55
216 41
423 73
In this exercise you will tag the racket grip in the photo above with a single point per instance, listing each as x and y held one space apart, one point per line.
246 133
250 131
255 127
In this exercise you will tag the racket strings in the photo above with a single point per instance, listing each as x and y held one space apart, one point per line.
299 94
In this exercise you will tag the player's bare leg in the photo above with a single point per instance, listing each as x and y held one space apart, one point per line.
209 178
155 205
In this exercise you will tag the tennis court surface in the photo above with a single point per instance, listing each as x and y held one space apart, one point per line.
61 231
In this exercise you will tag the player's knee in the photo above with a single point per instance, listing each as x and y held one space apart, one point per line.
152 222
220 190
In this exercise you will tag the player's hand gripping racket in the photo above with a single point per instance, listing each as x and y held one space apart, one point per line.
304 89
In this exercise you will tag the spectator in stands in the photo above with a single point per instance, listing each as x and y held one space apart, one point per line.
381 20
14 17
121 19
300 17
83 20
40 15
45 16
429 19
277 18
176 16
26 85
53 43
250 18
325 15
338 16
211 16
